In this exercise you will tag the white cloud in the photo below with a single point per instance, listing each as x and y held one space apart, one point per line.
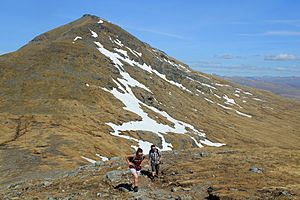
281 57
272 33
291 22
280 68
282 33
227 56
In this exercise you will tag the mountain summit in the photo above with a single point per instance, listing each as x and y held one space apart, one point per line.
90 89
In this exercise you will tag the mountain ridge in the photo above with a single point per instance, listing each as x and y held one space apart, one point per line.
90 88
285 86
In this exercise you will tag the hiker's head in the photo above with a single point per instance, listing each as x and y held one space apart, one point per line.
139 152
153 147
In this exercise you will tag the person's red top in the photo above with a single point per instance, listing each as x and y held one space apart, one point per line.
137 162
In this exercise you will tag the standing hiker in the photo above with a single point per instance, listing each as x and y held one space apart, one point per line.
135 165
154 157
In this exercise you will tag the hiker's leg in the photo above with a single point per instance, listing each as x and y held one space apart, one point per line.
153 169
157 169
134 176
135 179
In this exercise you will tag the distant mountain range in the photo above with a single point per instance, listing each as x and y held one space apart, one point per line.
285 86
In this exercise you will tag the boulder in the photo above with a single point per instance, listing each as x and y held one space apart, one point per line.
201 154
185 197
175 189
256 170
116 176
46 183
98 163
115 159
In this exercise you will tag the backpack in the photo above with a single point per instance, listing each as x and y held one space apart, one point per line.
157 151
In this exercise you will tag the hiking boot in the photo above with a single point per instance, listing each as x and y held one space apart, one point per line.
135 189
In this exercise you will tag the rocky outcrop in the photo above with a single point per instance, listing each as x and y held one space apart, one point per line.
211 175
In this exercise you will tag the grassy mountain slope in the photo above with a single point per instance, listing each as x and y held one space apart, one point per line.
59 102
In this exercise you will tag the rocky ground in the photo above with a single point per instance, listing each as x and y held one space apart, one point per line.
207 173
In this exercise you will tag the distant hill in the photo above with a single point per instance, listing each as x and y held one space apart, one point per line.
284 86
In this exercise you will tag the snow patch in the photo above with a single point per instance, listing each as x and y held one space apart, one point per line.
116 60
103 158
88 159
196 142
248 93
179 66
268 107
243 114
94 34
200 92
134 147
77 38
222 85
171 63
132 51
203 76
163 76
133 104
257 99
137 54
209 143
207 85
238 112
122 52
228 100
204 84
217 96
227 108
209 100
184 68
118 42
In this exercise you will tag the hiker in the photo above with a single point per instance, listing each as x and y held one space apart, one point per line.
154 157
135 166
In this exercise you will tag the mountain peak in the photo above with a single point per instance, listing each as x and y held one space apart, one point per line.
90 88
90 16
77 26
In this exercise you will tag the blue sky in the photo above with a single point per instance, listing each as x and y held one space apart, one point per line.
232 37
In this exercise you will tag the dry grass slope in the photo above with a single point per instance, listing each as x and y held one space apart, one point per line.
49 117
